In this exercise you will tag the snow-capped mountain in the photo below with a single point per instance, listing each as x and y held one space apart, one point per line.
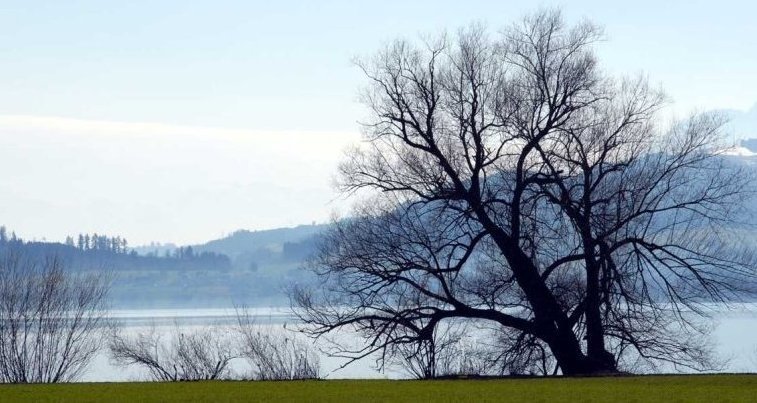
743 124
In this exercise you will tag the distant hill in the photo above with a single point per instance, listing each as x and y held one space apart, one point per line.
246 267
245 246
244 242
183 277
271 258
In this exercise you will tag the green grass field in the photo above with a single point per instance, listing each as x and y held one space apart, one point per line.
702 388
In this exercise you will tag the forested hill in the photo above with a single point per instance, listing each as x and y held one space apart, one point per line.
249 267
101 252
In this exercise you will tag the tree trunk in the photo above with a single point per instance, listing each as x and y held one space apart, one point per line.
554 326
596 352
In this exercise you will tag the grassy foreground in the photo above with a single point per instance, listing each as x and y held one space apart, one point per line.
702 388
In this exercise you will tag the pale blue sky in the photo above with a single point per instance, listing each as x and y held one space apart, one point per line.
80 80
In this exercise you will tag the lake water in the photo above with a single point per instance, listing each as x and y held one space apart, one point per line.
735 334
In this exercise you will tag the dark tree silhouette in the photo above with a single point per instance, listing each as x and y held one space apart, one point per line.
508 180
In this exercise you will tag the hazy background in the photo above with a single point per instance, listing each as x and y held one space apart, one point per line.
182 122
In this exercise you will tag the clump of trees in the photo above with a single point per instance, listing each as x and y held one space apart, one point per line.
506 179
50 320
86 242
5 238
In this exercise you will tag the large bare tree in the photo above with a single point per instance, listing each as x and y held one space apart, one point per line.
507 179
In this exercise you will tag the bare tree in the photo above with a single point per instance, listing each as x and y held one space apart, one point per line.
275 354
50 320
184 355
510 181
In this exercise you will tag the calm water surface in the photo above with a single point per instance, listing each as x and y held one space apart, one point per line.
735 334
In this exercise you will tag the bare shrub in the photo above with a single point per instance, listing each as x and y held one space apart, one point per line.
421 359
448 352
518 353
275 354
185 355
49 320
467 358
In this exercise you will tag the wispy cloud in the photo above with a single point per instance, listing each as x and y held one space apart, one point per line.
163 182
